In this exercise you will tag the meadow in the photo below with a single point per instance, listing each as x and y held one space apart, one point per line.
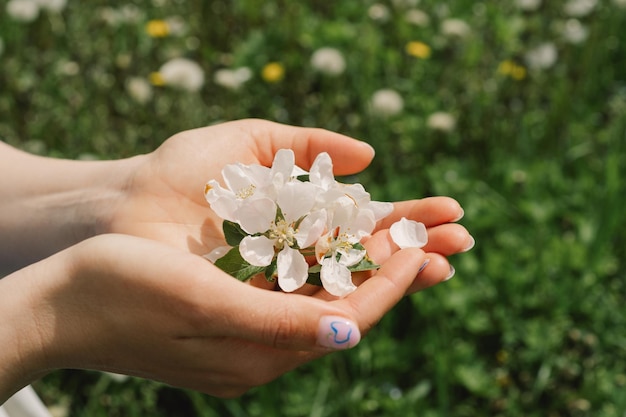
516 109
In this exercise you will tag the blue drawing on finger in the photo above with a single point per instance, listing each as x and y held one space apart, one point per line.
342 332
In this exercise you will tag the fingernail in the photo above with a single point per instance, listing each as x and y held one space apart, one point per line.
450 274
424 265
370 147
459 217
338 333
470 245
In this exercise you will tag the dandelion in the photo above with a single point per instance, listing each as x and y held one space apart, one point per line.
232 79
22 10
181 73
574 32
417 17
418 49
157 28
156 79
378 12
387 102
139 89
528 5
329 61
542 57
579 8
455 28
511 69
273 72
441 121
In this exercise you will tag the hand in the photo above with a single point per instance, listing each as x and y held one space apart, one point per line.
164 198
135 306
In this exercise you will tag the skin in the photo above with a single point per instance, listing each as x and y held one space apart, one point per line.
105 273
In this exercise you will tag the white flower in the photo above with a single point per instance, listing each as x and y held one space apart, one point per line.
408 234
417 17
335 254
183 73
139 89
22 10
579 8
455 28
542 57
232 79
528 5
574 32
442 121
328 61
378 12
387 102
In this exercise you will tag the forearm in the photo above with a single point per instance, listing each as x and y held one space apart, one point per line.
49 204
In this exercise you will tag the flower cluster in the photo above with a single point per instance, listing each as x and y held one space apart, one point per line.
297 226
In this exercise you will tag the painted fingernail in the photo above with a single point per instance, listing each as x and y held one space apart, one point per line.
338 333
470 245
450 274
424 265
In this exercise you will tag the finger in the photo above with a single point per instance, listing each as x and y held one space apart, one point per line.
436 271
431 211
349 155
448 239
381 292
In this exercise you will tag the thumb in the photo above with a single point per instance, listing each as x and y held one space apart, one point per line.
291 321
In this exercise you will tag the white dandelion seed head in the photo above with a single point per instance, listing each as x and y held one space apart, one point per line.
22 10
328 61
417 17
441 121
574 32
387 102
455 28
232 79
54 6
139 89
542 57
378 12
579 8
183 73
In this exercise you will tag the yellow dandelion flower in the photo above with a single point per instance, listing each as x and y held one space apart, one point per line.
511 69
273 72
156 79
418 49
157 28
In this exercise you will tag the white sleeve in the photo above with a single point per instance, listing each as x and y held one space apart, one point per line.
24 403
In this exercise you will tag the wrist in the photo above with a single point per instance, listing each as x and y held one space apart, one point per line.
58 203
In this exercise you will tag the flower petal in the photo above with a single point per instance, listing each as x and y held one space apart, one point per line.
256 216
408 233
293 269
311 228
296 199
351 256
336 278
321 172
217 253
257 250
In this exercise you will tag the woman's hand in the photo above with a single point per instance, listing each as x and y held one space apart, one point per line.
138 307
164 199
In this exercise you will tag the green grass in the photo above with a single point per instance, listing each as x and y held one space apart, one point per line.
532 324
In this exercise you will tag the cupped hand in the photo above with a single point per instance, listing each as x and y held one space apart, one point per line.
135 306
164 197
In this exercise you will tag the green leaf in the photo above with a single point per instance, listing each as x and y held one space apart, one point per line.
232 263
366 264
233 233
271 271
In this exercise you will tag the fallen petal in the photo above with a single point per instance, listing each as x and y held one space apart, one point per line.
408 233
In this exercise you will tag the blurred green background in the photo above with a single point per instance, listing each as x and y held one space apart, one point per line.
517 109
